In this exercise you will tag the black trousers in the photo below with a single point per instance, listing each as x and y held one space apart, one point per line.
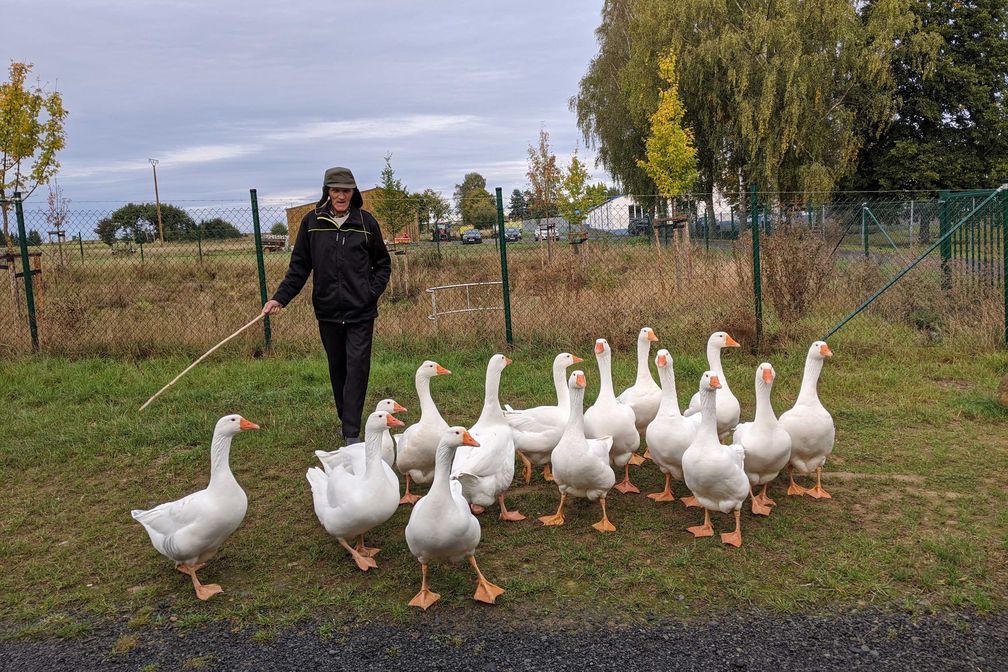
348 349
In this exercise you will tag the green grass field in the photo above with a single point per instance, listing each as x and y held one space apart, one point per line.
918 517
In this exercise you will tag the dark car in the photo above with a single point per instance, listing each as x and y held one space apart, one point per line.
472 236
512 234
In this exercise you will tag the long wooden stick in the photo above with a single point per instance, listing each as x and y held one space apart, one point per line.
204 356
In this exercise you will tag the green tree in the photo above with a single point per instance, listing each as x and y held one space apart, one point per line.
518 209
780 94
433 206
951 130
133 218
218 229
544 178
474 202
31 134
34 237
393 206
576 197
279 229
671 157
107 230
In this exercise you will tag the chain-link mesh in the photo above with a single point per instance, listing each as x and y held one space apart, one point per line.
684 267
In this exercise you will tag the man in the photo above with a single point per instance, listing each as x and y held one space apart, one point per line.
343 246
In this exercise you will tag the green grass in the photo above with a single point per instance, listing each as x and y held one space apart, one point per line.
917 517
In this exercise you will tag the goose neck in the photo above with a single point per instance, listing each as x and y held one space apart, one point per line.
491 400
441 485
810 381
220 468
560 384
427 406
605 378
669 398
575 421
764 408
708 417
643 350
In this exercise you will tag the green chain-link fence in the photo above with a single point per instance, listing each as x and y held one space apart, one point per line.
103 282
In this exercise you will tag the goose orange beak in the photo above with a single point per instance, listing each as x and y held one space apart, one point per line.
468 440
393 421
662 361
825 351
731 342
599 348
768 376
397 408
577 360
507 361
714 382
244 424
580 380
651 336
441 371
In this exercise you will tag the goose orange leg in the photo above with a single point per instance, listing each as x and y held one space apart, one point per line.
485 591
408 497
604 525
636 459
558 517
793 488
203 591
510 516
366 551
758 507
548 473
764 499
426 597
527 471
734 538
666 494
625 486
818 491
705 530
364 562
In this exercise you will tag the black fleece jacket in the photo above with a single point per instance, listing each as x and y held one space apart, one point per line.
351 265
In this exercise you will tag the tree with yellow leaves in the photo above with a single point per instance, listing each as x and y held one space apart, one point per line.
671 157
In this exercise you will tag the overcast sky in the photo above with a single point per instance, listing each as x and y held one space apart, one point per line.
232 95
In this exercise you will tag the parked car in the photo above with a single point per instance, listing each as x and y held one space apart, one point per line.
639 226
512 234
472 236
542 232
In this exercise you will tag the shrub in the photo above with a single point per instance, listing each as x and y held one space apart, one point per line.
279 229
219 228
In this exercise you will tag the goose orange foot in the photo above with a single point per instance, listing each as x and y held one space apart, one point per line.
604 525
793 488
509 516
705 530
364 563
485 591
409 497
689 501
203 591
476 509
734 538
548 473
426 597
818 491
366 551
666 494
625 486
558 517
636 459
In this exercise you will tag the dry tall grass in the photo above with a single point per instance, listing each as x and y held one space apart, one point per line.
606 288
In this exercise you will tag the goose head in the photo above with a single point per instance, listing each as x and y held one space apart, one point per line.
566 359
390 406
709 382
497 363
819 350
230 425
602 349
721 339
663 359
765 374
577 381
453 437
379 421
430 368
647 335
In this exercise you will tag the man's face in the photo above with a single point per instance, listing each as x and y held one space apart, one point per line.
340 198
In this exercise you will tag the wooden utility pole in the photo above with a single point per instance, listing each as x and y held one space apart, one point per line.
157 200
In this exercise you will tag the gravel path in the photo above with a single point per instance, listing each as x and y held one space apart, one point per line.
851 641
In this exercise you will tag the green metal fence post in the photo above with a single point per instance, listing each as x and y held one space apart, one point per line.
199 242
261 263
26 271
1004 260
757 281
706 232
80 241
946 245
864 230
505 288
808 211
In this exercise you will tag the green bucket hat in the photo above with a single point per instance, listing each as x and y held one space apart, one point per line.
340 178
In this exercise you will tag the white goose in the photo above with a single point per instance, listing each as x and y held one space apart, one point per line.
670 433
609 417
415 447
644 396
728 409
537 430
714 472
581 465
810 426
353 456
349 505
487 471
190 530
441 526
766 444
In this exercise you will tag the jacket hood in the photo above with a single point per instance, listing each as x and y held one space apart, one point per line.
356 201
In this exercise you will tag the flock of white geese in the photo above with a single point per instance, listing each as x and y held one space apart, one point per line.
356 488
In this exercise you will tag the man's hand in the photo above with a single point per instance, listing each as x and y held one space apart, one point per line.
272 307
